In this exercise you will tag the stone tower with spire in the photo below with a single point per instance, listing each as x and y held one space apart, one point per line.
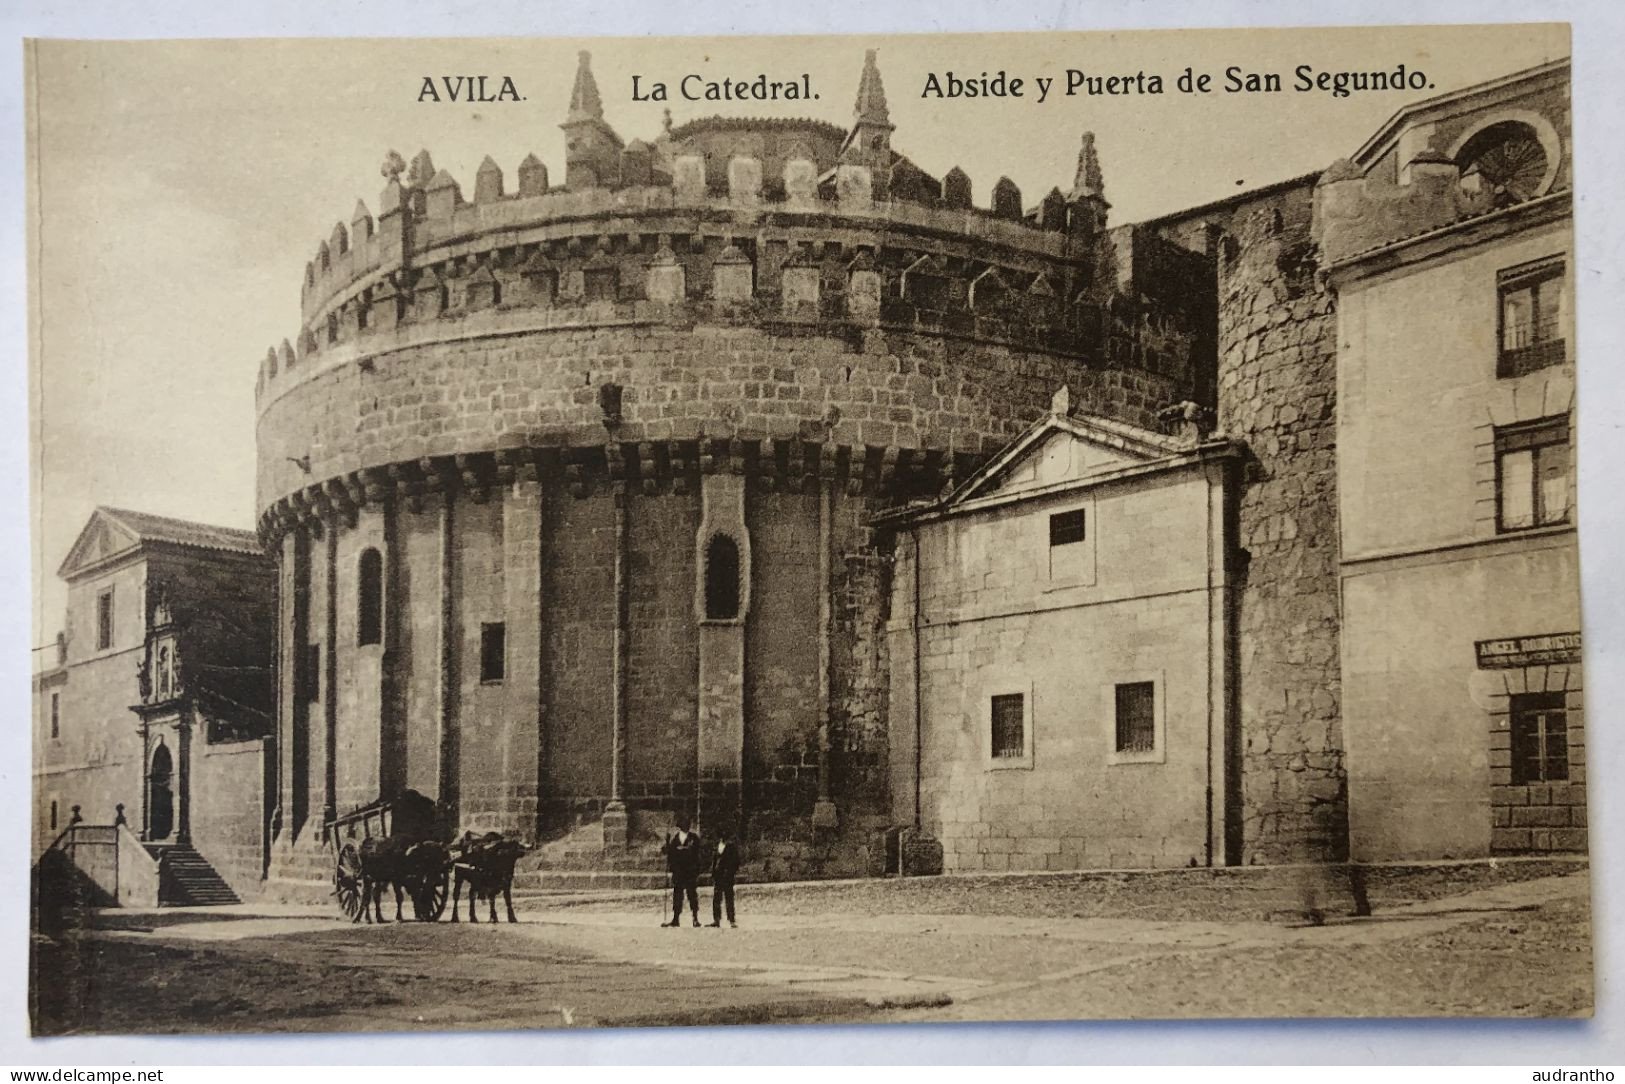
1086 203
592 150
869 141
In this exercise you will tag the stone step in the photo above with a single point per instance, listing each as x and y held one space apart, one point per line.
188 879
621 863
566 880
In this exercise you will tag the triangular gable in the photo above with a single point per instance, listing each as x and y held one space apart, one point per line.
1064 448
103 536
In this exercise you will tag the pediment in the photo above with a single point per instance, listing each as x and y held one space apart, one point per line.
103 537
1063 449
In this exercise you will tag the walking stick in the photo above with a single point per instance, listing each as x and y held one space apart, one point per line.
666 897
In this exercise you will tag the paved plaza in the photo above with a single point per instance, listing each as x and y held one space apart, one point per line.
1509 940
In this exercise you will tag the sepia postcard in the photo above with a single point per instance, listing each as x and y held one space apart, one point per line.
538 533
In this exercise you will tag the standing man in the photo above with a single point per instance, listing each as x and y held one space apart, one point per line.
683 860
724 868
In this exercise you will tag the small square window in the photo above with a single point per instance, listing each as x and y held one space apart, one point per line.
1532 474
493 651
1540 740
1137 717
1009 716
1066 528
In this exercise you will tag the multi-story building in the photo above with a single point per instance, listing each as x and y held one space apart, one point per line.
1448 238
157 713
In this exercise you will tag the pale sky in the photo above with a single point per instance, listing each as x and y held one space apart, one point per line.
179 189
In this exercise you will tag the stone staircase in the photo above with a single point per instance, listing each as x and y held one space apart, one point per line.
578 862
187 879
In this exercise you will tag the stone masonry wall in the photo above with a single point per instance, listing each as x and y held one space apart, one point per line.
1277 386
662 648
878 389
577 634
229 810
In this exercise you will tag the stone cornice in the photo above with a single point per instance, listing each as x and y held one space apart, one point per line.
647 468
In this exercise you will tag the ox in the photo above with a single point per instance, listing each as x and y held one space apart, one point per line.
399 863
485 863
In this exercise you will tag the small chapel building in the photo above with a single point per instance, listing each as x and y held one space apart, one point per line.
1061 653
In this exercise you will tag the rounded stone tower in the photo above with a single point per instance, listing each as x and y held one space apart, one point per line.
569 485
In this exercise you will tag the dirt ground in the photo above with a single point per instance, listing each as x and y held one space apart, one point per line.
1511 940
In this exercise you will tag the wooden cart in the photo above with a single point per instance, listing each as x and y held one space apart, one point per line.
411 816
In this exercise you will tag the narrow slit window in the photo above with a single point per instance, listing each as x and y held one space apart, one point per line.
493 651
56 715
370 615
721 579
104 621
313 673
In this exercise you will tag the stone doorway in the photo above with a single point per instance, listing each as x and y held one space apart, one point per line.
161 795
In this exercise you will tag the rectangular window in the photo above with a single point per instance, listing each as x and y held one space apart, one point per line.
1009 726
1540 739
56 715
493 651
1531 320
313 673
1137 717
1532 474
104 620
53 814
1066 528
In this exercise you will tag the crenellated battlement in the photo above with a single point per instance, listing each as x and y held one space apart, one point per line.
400 239
732 279
633 260
542 246
724 214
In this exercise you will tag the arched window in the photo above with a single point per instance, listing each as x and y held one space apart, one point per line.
370 612
721 578
1504 163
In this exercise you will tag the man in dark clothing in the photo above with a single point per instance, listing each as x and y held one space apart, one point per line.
683 861
724 868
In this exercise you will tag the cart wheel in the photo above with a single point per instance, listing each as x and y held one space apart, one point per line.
347 881
429 901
